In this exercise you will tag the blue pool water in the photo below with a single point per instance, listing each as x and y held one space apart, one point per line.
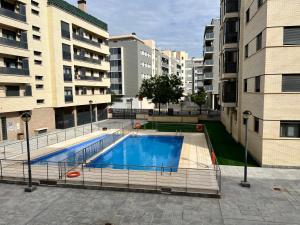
66 152
147 151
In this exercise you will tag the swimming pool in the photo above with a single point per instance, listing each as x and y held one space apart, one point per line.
66 152
148 151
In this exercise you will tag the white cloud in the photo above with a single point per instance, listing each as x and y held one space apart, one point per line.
174 24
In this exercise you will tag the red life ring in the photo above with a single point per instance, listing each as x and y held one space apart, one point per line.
73 174
138 126
200 127
213 158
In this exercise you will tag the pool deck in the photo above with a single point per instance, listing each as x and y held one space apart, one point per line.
59 146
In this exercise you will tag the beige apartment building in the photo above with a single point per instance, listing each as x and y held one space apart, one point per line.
53 61
260 72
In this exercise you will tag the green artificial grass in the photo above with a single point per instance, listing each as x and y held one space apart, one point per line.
227 150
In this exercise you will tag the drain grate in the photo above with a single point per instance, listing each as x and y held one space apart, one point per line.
276 189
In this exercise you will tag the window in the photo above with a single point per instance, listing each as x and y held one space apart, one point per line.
36 37
258 42
291 36
257 84
66 51
40 101
34 3
259 3
248 15
246 51
291 83
256 124
65 30
12 91
67 73
38 77
35 12
231 6
37 53
39 86
68 94
290 129
37 62
245 85
35 28
230 61
9 34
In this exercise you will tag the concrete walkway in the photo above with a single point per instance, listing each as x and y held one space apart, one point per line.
259 205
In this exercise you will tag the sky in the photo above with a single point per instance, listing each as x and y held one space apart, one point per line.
173 24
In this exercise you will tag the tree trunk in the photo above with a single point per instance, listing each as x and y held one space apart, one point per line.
159 108
200 109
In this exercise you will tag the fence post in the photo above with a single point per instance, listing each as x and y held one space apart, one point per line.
128 176
101 176
82 173
47 171
47 139
186 180
37 142
4 152
21 147
56 138
23 171
1 173
65 174
156 178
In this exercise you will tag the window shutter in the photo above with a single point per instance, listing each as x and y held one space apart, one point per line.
291 83
291 36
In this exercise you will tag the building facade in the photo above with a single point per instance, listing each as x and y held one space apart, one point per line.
211 62
53 61
260 67
194 75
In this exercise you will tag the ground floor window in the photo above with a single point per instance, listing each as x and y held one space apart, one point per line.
290 129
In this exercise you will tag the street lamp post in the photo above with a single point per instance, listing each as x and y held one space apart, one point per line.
245 183
91 114
131 99
26 118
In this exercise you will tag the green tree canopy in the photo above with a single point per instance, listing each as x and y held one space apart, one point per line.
199 98
162 89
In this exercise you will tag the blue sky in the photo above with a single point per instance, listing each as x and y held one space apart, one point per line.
173 24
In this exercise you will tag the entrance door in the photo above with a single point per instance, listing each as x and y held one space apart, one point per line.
3 128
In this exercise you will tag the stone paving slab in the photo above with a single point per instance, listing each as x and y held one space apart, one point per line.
259 205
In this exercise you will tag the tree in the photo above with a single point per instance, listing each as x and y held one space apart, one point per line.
162 89
200 98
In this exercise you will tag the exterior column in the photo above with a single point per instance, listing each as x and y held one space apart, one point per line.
75 116
96 113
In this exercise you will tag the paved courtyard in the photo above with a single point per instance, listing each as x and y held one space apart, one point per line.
259 205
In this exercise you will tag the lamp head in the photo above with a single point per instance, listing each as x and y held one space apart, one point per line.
26 116
247 114
91 102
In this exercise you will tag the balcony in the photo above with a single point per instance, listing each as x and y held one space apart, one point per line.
69 98
97 99
208 88
230 67
82 77
208 49
14 71
12 14
208 76
229 94
231 38
86 59
209 62
85 40
13 43
231 6
209 36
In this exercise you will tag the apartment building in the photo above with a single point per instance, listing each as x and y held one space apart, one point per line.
132 60
260 72
194 75
53 61
211 62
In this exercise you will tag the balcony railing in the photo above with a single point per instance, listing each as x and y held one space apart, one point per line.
13 43
208 76
209 36
86 40
13 15
68 98
86 59
231 38
81 77
208 87
209 62
230 67
231 6
208 49
14 71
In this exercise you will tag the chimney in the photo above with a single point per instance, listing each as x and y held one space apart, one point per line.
82 5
